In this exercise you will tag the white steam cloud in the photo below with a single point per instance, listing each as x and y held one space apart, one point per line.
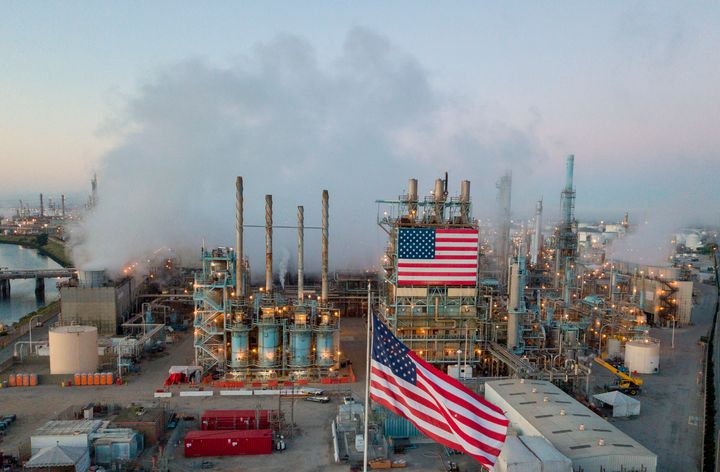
358 126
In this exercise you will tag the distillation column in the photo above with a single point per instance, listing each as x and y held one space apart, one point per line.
516 301
536 245
502 248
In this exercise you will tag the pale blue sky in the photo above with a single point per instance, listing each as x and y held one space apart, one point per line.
630 87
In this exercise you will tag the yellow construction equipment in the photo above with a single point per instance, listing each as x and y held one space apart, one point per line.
624 382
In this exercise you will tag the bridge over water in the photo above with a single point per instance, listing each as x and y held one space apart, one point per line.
6 275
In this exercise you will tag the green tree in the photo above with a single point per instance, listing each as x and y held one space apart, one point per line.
41 239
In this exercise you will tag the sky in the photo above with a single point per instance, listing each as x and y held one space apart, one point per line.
357 97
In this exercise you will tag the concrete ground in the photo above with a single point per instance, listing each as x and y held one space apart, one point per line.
309 450
670 421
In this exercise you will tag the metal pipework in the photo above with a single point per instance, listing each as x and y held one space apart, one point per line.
42 207
268 244
62 205
465 201
412 196
325 209
300 253
239 256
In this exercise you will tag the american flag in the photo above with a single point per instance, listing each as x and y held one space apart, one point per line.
428 256
438 405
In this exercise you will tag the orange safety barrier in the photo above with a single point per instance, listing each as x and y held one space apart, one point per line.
26 380
272 383
103 379
302 382
33 380
11 380
18 380
256 384
83 379
76 379
287 384
344 380
109 378
96 379
325 381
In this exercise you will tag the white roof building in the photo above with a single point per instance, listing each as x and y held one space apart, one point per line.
539 408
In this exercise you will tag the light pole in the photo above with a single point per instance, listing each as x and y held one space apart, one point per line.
458 352
672 338
600 339
31 326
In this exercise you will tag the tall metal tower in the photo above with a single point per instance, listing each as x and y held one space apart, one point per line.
502 244
566 247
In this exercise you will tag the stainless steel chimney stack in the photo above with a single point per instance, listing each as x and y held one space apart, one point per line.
239 255
300 254
268 244
325 209
412 198
42 207
465 201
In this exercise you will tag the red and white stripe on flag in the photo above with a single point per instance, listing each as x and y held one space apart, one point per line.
443 257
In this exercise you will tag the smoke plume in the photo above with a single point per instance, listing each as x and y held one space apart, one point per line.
359 126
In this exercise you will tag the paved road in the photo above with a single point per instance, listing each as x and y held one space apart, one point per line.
670 421
39 333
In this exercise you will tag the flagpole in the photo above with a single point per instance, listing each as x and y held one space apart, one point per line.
368 357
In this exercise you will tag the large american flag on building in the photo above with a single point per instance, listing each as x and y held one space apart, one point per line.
438 405
429 256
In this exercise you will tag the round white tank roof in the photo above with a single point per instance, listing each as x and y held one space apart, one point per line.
73 329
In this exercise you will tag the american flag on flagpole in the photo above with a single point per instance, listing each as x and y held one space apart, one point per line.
438 405
429 256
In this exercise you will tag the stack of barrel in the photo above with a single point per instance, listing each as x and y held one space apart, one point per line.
23 380
98 378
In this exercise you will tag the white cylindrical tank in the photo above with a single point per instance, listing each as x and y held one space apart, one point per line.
73 349
613 348
643 356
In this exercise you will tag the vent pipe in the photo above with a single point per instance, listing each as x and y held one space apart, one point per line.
42 206
300 254
268 244
62 205
412 198
465 201
239 255
324 288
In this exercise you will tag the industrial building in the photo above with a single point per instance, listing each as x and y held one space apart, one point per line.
97 301
539 408
262 334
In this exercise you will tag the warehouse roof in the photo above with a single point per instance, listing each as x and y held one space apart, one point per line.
576 431
56 456
68 427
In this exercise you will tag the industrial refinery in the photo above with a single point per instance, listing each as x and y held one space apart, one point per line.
477 238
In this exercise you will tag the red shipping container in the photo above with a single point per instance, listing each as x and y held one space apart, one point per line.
217 420
228 443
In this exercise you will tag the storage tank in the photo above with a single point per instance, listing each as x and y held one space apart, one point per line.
73 349
324 346
267 344
643 356
614 348
300 345
239 347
